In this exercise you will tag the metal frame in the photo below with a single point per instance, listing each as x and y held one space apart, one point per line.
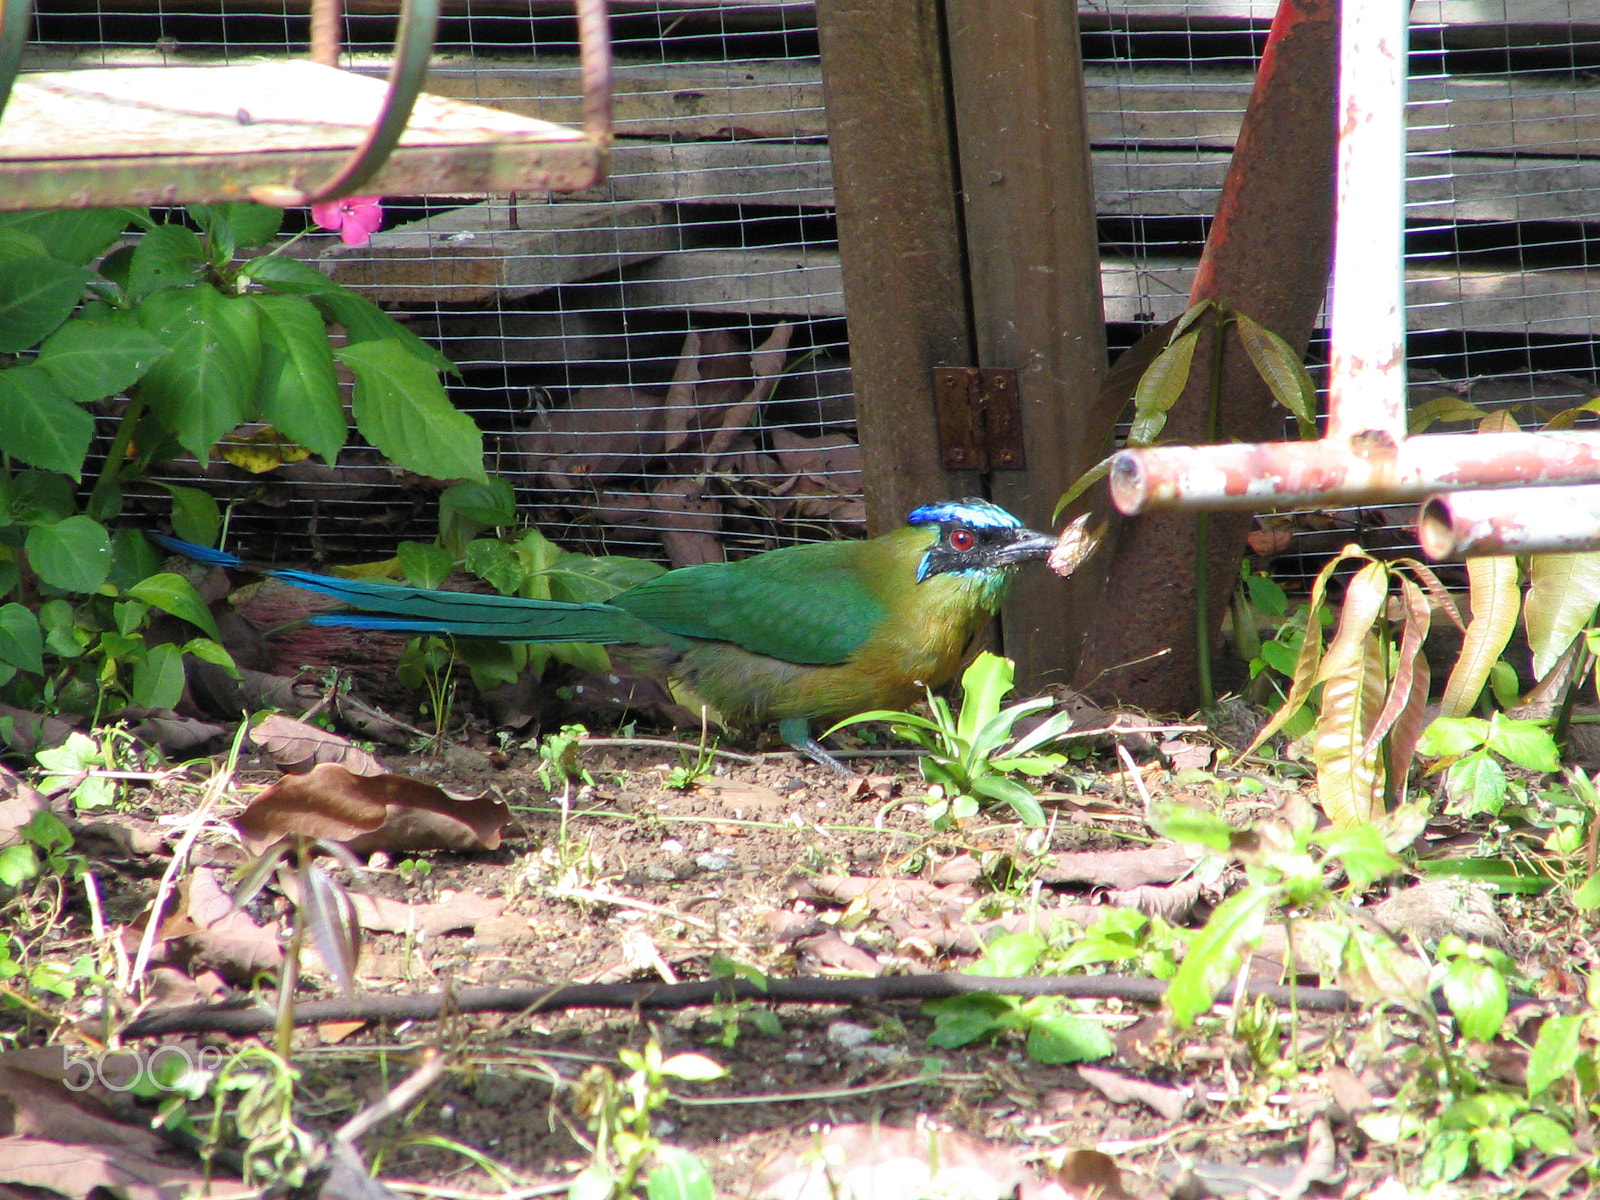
1365 456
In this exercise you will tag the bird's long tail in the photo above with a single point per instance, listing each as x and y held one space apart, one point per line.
461 614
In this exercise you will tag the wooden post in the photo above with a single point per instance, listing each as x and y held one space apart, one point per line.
1033 260
899 240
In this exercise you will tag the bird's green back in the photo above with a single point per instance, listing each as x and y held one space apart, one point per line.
811 604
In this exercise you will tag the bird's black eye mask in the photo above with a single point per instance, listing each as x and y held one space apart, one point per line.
962 548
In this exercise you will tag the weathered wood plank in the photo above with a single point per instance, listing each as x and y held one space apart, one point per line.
763 283
112 137
1150 105
472 254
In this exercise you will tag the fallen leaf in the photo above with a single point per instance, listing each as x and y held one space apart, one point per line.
884 1162
19 802
333 803
1170 1102
222 936
1161 863
297 746
1091 1175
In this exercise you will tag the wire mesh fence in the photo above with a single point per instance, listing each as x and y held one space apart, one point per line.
661 365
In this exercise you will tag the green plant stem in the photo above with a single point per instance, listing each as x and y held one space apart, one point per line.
120 443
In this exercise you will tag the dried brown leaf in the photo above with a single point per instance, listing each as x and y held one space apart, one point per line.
884 1162
1171 1102
297 746
1161 863
19 803
332 803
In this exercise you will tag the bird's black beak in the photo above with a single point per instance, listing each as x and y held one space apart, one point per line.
1025 544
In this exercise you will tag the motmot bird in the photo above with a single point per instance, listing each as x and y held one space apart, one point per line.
817 632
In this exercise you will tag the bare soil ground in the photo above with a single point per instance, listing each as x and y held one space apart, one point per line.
779 866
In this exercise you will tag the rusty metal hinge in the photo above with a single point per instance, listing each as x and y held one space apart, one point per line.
980 418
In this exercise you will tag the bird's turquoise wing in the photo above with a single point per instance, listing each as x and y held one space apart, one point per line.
804 604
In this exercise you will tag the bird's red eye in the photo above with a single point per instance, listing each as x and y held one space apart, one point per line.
961 539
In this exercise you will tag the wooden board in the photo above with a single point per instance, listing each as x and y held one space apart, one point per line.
201 134
473 254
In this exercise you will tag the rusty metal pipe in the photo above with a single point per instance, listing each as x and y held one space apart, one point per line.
1260 477
1367 377
1547 520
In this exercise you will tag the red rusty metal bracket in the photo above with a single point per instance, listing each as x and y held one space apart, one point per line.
1365 456
980 418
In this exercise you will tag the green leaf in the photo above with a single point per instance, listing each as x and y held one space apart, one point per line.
18 864
424 564
72 235
21 640
298 389
247 224
174 594
195 515
158 677
168 256
1496 601
1526 743
678 1175
89 360
40 425
402 409
497 563
1360 848
207 385
1062 1038
485 503
1018 795
1193 827
364 321
961 1020
73 555
1477 996
1450 737
1555 1053
1159 388
1011 955
1215 953
1587 897
983 685
1477 784
1282 371
36 295
1544 1133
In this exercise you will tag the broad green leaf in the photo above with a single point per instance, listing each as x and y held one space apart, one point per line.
1495 603
1063 1038
1477 996
1447 406
169 256
207 385
248 224
1554 1054
36 295
1054 726
1449 737
72 235
1360 848
73 555
425 565
1190 826
1215 953
1587 897
174 594
1189 316
983 685
288 276
1544 1133
364 321
1010 955
89 360
1282 371
39 425
678 1175
21 640
158 677
487 503
961 1020
195 515
1526 743
18 864
1018 795
1159 388
1563 592
298 390
1477 784
496 563
402 409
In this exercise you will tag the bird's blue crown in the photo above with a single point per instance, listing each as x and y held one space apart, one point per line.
978 513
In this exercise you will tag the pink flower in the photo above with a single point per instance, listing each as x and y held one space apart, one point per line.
355 217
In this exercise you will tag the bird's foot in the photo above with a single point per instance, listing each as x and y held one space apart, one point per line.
797 732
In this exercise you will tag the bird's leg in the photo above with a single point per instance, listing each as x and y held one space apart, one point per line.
797 732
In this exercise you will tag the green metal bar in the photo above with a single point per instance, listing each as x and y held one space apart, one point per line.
414 47
13 35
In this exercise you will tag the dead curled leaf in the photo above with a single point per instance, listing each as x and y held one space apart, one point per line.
1171 1102
1161 863
380 914
297 747
370 812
